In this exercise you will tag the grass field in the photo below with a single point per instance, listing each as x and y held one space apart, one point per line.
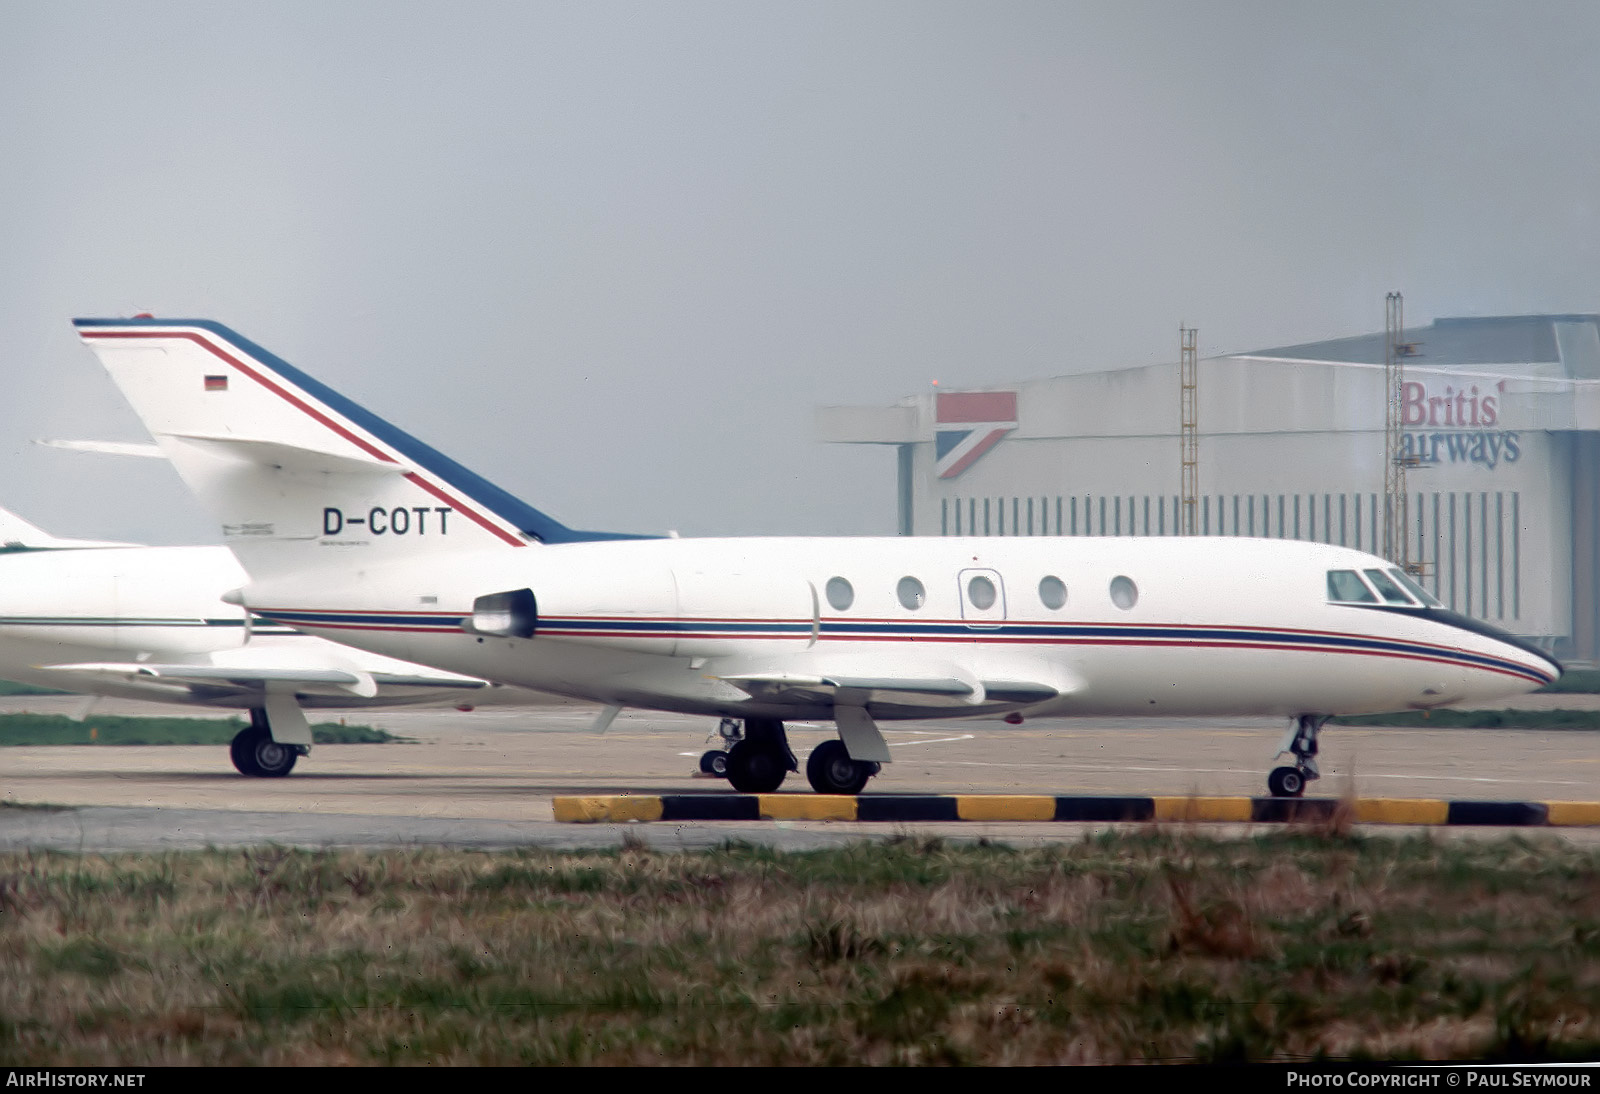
111 729
11 687
1163 945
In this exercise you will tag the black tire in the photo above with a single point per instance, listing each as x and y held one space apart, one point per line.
715 762
273 760
243 752
830 770
754 770
1286 782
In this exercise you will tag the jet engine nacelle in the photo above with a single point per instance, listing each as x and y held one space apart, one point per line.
505 615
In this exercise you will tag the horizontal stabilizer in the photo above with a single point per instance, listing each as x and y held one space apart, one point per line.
109 448
292 458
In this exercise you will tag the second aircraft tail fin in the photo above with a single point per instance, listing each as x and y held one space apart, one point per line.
17 534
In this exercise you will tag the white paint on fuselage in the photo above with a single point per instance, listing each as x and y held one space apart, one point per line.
1221 625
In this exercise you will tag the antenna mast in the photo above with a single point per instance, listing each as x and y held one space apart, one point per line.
1396 543
1189 426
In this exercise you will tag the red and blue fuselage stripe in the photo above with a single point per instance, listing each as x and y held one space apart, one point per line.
1059 634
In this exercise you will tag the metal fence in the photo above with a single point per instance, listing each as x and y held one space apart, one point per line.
1468 543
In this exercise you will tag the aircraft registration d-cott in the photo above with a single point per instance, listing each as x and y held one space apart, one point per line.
149 623
355 531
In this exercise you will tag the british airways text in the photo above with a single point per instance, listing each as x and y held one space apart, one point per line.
418 520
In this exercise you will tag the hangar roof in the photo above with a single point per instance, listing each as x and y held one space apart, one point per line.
1572 341
1545 370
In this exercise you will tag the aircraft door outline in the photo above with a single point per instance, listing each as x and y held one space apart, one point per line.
983 597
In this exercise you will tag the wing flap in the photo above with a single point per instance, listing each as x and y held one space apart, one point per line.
800 688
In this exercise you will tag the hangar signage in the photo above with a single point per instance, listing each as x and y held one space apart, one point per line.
1455 425
967 425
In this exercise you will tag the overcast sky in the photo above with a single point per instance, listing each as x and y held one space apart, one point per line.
612 255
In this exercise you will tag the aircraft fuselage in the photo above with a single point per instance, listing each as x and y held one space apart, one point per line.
1105 626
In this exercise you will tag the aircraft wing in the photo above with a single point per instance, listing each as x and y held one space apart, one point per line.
253 678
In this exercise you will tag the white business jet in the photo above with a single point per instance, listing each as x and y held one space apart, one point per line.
149 623
354 530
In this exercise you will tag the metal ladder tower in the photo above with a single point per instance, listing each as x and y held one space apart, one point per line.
1189 426
1396 543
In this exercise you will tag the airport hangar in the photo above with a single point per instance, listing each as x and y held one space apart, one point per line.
1501 419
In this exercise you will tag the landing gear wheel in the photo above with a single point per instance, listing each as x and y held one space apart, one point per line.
755 770
1286 782
243 752
256 753
830 770
1301 742
715 762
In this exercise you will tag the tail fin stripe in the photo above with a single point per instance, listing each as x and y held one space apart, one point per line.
300 404
465 510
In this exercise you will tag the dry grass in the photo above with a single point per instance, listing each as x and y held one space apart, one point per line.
1163 945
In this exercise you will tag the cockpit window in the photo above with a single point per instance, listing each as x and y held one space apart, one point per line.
1388 589
1346 587
1415 588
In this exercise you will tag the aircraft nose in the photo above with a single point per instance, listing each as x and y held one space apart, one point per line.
1559 668
1518 651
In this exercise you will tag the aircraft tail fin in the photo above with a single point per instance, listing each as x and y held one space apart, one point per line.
17 534
291 468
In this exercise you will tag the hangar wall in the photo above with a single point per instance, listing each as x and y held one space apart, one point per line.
1502 416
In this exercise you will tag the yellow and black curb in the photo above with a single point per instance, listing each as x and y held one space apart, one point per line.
1039 807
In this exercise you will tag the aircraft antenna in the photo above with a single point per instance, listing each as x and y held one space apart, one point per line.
1396 543
1189 425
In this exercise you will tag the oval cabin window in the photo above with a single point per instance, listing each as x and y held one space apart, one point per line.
911 593
980 590
1124 593
840 594
1053 593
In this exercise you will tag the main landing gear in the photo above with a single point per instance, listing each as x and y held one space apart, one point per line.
1301 741
254 752
830 770
759 762
758 757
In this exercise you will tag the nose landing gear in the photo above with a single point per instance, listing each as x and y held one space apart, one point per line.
715 761
1301 742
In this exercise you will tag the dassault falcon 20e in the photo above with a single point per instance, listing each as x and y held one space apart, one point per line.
354 530
149 623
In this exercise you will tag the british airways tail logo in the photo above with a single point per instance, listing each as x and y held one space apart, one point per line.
968 424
